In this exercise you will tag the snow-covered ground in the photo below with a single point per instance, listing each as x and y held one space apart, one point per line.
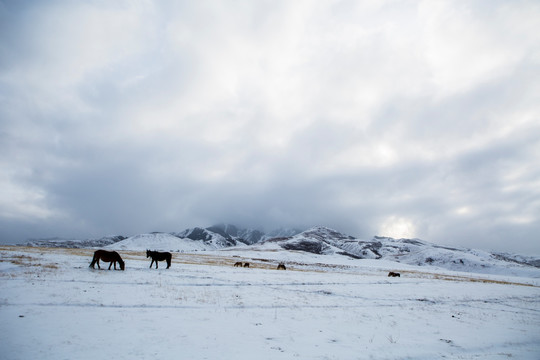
52 306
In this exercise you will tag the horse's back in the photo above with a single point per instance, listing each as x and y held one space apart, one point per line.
107 256
158 255
104 252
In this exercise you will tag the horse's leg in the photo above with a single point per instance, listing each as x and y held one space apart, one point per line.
99 267
110 265
168 263
156 264
93 263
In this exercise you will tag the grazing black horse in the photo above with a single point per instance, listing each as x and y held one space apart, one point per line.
108 256
281 267
394 274
159 256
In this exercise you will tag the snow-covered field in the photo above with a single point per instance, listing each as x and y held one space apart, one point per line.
52 306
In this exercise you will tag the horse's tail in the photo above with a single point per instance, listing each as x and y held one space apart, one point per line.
169 258
94 259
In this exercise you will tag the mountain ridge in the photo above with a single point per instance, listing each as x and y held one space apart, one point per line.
325 241
318 240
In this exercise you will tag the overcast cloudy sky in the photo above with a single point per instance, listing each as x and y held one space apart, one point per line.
399 118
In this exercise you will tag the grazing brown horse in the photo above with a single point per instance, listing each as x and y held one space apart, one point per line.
393 274
238 264
108 256
281 267
159 256
246 265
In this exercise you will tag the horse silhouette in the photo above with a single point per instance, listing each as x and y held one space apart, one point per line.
393 274
281 267
159 256
108 256
238 264
246 265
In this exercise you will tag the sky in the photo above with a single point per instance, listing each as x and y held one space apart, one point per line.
393 118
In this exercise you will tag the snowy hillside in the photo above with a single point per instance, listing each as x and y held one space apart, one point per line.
249 236
213 237
246 236
208 237
322 240
75 243
226 235
160 242
195 239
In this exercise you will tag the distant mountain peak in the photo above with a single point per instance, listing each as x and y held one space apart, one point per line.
325 232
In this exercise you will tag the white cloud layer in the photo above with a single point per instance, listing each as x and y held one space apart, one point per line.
400 118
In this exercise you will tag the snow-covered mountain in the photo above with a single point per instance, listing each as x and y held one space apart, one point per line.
226 235
216 240
246 236
196 238
318 240
75 243
162 242
281 232
326 241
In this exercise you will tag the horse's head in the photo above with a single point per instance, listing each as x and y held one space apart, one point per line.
122 264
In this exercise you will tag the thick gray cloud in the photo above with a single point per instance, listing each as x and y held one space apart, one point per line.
407 118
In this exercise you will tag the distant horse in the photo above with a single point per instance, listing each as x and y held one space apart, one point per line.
281 267
159 256
108 256
238 264
246 265
393 274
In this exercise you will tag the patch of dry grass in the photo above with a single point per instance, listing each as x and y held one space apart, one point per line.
461 278
23 260
26 261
